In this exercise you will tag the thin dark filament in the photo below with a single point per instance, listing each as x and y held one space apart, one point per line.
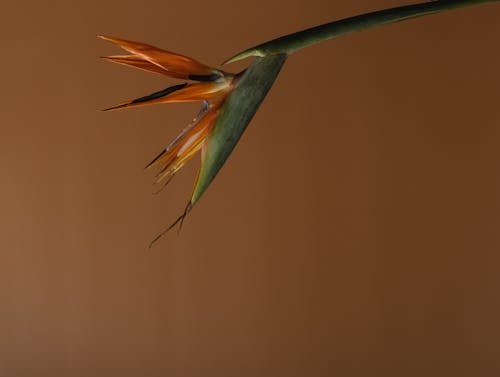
179 220
163 185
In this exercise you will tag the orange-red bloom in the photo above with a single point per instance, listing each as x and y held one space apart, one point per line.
211 87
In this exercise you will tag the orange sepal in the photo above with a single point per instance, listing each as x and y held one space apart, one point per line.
175 65
137 62
185 146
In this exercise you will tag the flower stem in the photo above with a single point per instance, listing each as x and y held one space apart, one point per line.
292 42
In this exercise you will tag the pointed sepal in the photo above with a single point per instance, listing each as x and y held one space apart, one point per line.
173 64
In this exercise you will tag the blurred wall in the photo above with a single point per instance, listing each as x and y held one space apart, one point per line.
353 232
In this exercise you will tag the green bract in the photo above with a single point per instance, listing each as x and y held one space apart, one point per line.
237 111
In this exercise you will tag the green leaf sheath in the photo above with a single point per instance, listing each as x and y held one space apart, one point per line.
236 112
295 41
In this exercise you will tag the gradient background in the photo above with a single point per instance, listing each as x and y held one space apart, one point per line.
353 232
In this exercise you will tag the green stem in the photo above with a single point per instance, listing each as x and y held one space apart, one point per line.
292 42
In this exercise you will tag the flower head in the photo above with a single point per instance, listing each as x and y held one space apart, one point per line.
209 85
229 103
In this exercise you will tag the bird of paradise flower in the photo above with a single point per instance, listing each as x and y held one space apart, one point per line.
231 100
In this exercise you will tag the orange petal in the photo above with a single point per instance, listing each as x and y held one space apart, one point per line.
179 93
186 145
137 62
176 65
191 143
205 108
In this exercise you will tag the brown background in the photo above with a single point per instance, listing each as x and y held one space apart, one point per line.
354 231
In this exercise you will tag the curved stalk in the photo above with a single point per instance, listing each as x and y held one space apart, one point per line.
292 42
